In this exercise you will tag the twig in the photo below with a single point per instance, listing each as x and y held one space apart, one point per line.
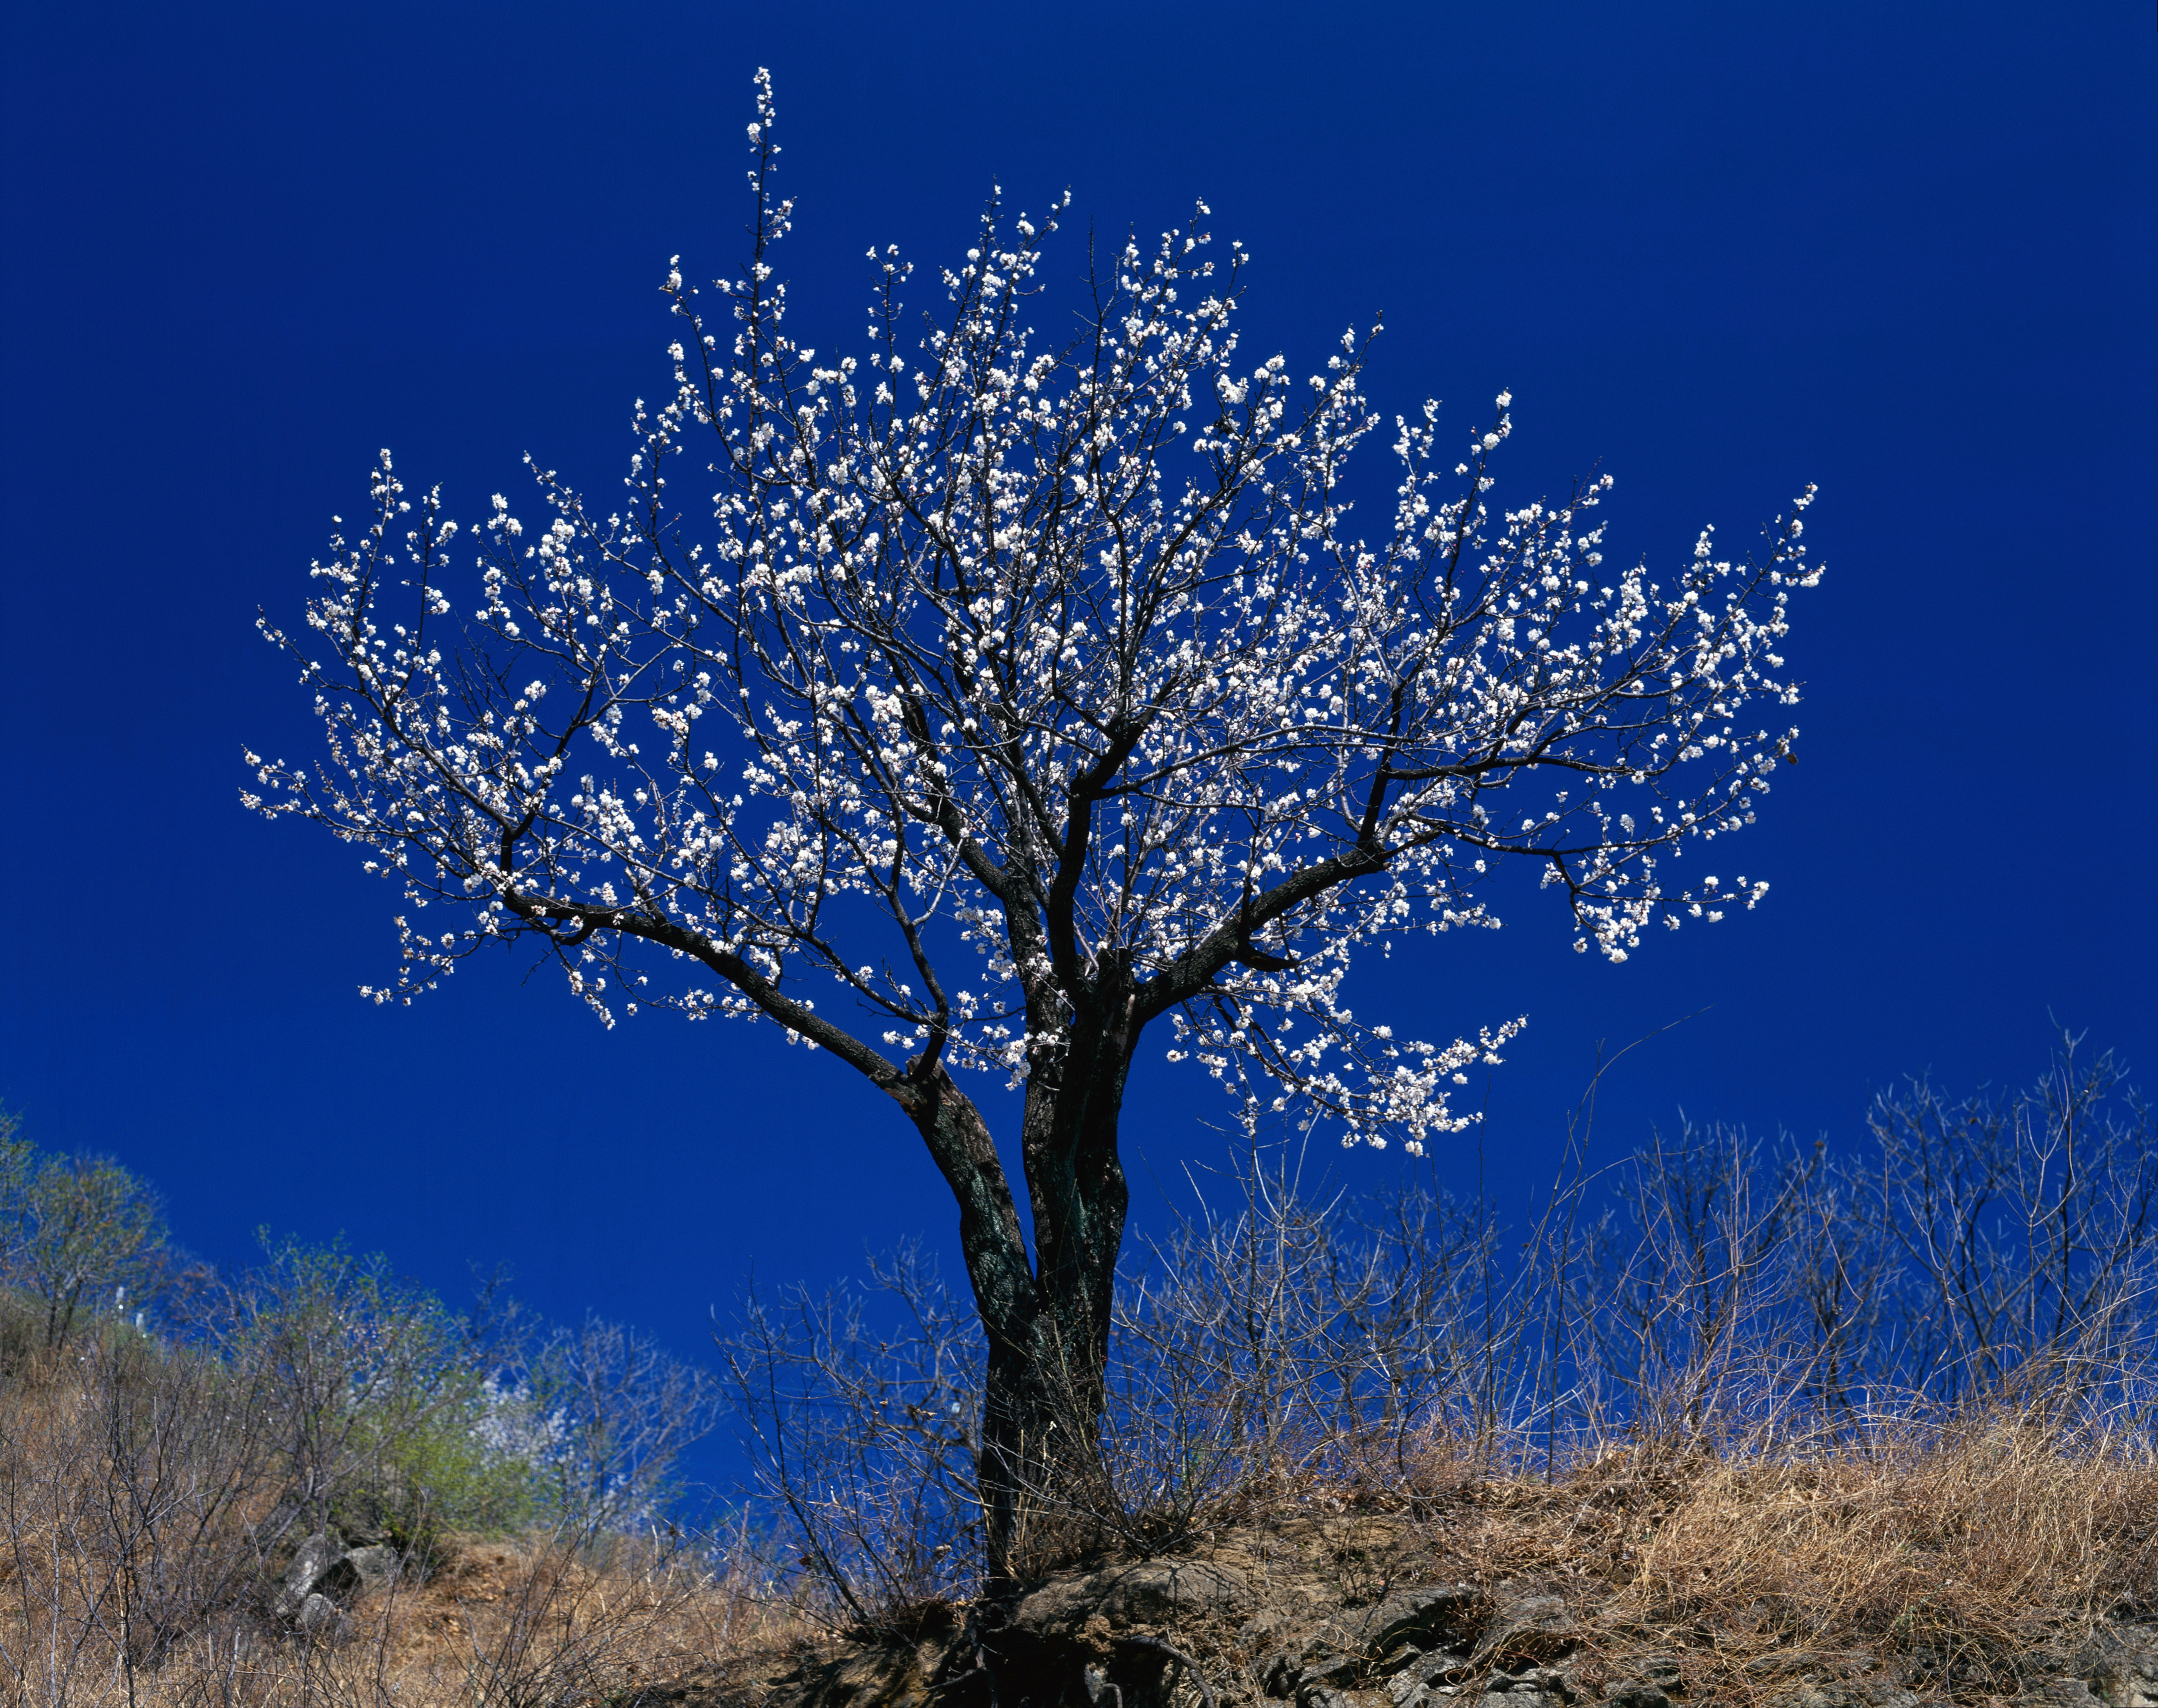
972 1636
1099 1684
1205 1691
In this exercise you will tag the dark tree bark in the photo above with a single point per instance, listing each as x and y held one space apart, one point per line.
1046 1315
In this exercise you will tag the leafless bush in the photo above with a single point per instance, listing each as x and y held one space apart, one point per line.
1710 1297
617 1412
129 1493
1290 1335
1989 1250
867 1441
2023 1232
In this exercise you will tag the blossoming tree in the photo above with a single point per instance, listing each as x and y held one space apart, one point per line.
980 704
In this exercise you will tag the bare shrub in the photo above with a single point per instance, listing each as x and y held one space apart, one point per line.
1711 1307
867 1441
130 1486
1290 1336
609 1414
2024 1230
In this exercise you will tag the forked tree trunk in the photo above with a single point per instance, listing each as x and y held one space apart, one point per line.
1046 1316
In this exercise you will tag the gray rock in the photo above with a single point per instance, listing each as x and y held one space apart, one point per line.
1532 1687
2058 1692
1151 1591
1329 1672
323 1571
2122 1666
375 1568
1526 1629
1638 1694
1404 1690
311 1560
1418 1618
1848 1693
1543 1680
1319 1678
318 1616
1875 1693
1412 1669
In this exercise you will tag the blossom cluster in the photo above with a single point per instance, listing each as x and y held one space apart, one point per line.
976 680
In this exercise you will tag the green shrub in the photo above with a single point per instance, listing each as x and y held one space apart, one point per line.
421 1471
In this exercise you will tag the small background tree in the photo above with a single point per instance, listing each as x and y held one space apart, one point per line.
84 1236
984 702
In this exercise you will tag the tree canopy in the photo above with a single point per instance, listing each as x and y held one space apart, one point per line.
993 662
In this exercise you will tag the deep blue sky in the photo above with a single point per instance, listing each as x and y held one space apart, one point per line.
1905 251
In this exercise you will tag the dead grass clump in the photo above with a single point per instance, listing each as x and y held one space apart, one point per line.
546 1619
1979 1536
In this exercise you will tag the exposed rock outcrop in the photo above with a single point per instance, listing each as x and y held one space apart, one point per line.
1314 1616
325 1577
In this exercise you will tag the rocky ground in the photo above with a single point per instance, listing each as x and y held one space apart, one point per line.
1354 1614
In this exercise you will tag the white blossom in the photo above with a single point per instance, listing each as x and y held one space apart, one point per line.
982 660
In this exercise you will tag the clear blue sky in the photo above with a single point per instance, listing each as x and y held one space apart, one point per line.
1905 251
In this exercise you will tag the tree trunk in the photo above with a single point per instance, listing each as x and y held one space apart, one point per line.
1046 1319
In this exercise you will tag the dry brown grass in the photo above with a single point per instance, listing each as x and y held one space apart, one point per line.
1979 1541
1952 1547
499 1624
140 1547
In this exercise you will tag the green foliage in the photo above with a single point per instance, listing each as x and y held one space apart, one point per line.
92 1232
373 1383
422 1472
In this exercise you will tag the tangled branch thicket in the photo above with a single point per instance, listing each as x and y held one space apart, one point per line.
1949 1335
